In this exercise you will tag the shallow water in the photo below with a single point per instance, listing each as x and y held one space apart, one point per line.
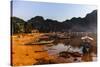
30 53
60 47
55 49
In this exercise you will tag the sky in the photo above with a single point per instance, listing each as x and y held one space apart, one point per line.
56 11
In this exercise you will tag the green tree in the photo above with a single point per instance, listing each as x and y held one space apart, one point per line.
17 25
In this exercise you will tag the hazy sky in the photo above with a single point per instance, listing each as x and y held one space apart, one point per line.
55 11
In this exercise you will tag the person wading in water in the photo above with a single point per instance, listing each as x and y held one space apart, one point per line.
86 48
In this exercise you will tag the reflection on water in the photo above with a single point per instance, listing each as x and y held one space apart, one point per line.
56 48
49 53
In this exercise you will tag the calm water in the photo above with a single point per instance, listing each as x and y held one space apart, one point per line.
55 49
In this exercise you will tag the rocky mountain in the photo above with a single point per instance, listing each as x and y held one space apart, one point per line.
86 24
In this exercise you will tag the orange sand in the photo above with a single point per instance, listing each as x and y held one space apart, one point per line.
25 54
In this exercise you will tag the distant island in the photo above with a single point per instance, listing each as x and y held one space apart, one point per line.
37 23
